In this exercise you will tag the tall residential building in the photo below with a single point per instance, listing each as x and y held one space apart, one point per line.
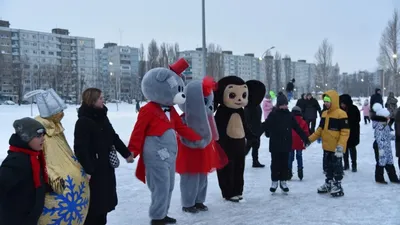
305 74
40 60
245 66
118 68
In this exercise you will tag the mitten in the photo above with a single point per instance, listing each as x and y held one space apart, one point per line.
339 151
307 143
319 140
381 152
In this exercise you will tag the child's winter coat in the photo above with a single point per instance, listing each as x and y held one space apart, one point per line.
267 107
365 109
383 139
298 143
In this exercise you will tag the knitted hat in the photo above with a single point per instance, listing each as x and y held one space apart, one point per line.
28 128
268 96
380 111
281 100
327 99
296 109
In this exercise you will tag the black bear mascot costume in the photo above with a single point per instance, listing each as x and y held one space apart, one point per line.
232 96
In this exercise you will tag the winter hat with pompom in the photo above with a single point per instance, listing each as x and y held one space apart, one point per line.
296 109
380 111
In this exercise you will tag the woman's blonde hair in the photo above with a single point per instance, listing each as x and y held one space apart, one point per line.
90 96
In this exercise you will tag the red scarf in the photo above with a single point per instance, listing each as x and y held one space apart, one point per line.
37 162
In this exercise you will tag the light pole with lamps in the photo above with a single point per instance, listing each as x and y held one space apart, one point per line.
203 7
116 85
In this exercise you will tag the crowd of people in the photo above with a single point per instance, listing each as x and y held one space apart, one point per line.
43 171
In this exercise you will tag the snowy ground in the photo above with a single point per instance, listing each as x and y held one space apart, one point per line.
365 202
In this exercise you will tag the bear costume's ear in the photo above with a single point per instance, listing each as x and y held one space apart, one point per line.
162 76
257 92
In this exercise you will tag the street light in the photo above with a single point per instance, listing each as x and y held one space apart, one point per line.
203 7
116 85
266 52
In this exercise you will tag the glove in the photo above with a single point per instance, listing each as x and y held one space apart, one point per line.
339 151
307 143
381 152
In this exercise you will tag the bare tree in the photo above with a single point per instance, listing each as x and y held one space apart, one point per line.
141 72
173 53
334 78
388 50
269 70
215 61
278 71
287 66
163 55
323 60
153 54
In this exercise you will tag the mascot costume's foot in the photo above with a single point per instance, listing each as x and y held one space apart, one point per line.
232 96
154 138
196 159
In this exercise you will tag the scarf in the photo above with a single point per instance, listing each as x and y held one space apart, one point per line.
37 162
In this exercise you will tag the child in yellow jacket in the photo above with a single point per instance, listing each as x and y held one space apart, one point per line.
334 131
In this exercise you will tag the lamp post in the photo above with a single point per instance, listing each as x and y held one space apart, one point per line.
116 84
203 7
266 52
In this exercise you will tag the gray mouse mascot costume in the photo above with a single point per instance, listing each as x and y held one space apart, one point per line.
232 95
154 136
196 159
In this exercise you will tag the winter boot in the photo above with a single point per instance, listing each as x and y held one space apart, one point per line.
326 187
191 209
283 186
166 220
290 174
274 186
257 164
379 178
354 167
392 173
233 199
201 207
300 174
337 190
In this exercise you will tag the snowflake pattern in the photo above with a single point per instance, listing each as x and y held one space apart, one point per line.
83 173
71 204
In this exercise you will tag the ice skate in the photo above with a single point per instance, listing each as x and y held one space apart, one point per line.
240 197
201 207
353 168
233 199
290 174
300 174
192 209
337 190
325 188
274 186
283 186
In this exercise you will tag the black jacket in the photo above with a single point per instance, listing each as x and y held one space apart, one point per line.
397 132
278 126
375 98
301 103
94 136
354 118
20 202
311 108
289 87
253 116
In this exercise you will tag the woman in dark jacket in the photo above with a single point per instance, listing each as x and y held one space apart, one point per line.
397 133
94 139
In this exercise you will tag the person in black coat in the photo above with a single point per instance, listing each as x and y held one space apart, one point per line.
94 138
253 115
375 98
290 89
302 102
397 134
354 118
278 127
311 111
23 177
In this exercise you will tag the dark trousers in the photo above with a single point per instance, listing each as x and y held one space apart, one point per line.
324 164
367 119
334 166
311 125
376 152
230 178
353 154
279 166
96 219
254 146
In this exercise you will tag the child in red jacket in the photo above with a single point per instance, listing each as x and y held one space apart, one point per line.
297 144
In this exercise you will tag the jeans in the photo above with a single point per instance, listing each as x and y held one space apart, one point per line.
289 95
299 158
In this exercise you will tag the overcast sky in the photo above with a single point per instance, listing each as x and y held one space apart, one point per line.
294 27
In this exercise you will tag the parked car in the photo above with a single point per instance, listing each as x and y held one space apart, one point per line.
9 102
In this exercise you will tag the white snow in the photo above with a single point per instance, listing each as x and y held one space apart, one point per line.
365 202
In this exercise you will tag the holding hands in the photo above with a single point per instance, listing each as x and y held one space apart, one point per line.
130 159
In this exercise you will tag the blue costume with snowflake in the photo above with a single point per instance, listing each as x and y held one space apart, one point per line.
383 139
69 203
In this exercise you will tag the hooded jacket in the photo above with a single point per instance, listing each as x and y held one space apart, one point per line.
375 98
298 143
353 114
334 125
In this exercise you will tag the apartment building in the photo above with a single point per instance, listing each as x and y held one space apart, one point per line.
40 60
118 68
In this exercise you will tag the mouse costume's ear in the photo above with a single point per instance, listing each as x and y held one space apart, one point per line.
209 85
179 66
257 92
